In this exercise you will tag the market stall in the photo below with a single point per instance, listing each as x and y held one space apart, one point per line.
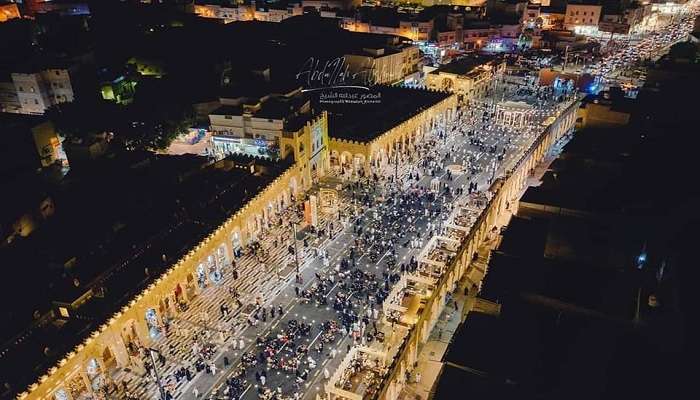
359 375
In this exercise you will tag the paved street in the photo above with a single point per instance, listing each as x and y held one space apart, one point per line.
383 232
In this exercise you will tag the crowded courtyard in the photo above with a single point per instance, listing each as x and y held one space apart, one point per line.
308 309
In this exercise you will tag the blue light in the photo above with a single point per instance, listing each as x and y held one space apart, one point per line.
641 259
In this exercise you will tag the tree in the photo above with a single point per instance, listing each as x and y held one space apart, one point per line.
157 116
84 119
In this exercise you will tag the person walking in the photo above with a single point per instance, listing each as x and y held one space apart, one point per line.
195 393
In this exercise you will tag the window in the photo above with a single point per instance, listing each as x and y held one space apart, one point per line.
31 89
228 117
36 101
58 73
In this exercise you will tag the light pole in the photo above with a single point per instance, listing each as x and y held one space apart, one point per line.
296 251
396 167
155 371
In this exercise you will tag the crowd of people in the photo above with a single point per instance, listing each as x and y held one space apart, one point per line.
394 210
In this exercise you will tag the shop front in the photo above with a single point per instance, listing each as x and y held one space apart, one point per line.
153 324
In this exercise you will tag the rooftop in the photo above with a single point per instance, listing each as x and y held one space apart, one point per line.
465 65
364 123
533 351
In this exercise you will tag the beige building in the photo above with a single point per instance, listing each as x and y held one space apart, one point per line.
384 65
247 12
466 241
468 78
604 111
361 143
138 320
257 126
582 18
419 31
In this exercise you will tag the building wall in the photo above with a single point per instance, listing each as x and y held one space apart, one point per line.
244 12
582 15
377 153
59 84
8 11
468 86
275 15
38 91
9 101
32 93
506 190
372 70
48 144
476 38
600 115
416 31
108 344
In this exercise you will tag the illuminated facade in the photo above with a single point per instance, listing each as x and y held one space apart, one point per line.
464 240
8 11
418 31
467 80
352 157
247 12
139 321
257 129
582 18
241 12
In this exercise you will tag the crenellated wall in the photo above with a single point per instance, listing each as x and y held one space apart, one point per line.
108 345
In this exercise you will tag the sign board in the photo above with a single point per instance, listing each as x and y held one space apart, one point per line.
311 210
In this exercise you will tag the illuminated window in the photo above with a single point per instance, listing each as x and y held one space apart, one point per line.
63 311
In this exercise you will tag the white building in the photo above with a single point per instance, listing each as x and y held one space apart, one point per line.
255 127
37 91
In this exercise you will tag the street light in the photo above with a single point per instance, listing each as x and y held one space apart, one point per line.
161 389
296 251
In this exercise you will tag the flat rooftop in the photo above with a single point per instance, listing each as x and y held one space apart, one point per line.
364 123
532 351
111 223
465 65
